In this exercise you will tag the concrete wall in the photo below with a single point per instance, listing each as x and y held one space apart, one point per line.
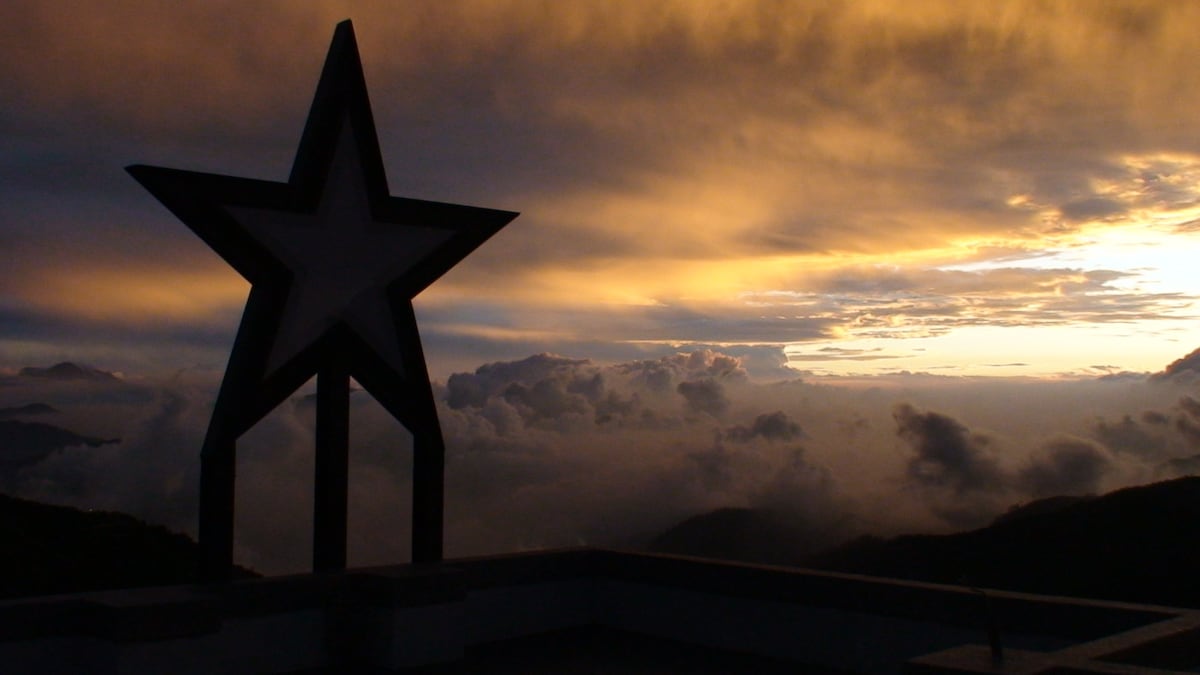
394 617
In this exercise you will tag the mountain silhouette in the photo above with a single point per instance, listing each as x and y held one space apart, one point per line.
1039 507
29 410
1139 544
27 443
70 372
58 549
750 535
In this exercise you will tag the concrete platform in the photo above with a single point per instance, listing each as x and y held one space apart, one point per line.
584 610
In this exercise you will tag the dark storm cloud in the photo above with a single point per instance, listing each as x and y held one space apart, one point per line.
547 389
775 426
656 376
715 466
1127 435
760 362
702 364
473 389
542 390
799 481
947 454
1188 424
1154 417
1190 406
706 395
632 462
1167 442
1189 430
546 401
1184 368
1064 466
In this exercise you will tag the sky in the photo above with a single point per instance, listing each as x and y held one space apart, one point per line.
977 188
908 218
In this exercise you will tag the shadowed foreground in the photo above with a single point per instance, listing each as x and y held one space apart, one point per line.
598 650
574 611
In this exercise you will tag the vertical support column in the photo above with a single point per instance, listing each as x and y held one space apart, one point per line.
218 464
428 493
429 449
332 473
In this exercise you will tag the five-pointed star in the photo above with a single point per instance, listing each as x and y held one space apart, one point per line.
332 259
341 261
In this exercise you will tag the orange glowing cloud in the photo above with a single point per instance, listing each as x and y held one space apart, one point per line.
144 295
678 165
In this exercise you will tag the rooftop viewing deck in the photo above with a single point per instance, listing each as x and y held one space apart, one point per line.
587 610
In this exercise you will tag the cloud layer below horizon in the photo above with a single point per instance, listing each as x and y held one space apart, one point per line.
548 451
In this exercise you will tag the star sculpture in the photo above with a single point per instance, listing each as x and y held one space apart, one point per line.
334 262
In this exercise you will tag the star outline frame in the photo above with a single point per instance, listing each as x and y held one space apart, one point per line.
249 392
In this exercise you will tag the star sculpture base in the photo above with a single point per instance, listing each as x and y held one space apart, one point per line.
334 262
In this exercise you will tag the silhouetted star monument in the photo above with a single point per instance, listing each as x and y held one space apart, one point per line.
334 262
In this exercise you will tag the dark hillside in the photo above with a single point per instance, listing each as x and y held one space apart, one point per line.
58 549
1140 544
750 535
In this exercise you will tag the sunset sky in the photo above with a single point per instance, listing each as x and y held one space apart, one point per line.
988 188
885 266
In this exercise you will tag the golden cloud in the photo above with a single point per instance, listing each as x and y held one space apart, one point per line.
146 294
678 154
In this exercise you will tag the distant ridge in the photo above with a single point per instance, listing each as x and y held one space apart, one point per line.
69 371
1040 507
751 535
58 549
27 443
29 410
1139 544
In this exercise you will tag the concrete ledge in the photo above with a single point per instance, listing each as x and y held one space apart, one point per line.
1168 646
391 618
1067 618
